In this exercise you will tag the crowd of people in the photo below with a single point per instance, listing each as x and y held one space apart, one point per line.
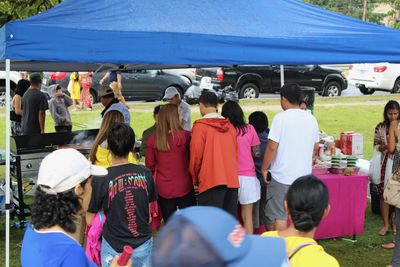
248 170
32 118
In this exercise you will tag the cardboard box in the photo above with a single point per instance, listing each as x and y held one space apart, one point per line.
352 143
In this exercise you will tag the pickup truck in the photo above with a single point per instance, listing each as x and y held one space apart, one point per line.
250 81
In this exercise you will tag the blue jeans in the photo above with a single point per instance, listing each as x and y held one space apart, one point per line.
140 257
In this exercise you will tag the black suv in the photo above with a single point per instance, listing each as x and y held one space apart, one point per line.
250 81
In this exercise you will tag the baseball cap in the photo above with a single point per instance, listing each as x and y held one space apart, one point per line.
122 109
209 236
63 169
170 92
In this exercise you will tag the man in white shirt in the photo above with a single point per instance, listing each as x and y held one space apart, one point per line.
173 97
293 137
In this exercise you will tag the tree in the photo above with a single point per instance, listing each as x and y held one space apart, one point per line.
395 13
353 8
19 9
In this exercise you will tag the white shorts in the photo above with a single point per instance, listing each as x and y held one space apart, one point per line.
249 190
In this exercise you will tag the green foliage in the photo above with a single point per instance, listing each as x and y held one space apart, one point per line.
395 13
353 8
20 9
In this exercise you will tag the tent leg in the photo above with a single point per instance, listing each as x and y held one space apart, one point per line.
7 136
282 75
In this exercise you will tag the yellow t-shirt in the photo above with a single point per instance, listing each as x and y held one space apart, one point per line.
309 256
103 156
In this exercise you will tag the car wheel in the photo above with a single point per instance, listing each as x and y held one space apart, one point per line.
177 88
187 80
249 91
3 96
93 97
366 91
396 87
332 89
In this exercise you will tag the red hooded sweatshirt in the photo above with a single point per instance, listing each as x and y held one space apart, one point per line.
213 154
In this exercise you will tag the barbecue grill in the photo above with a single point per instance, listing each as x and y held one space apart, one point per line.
27 152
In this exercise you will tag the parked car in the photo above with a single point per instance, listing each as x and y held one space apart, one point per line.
14 78
188 74
376 77
136 84
250 81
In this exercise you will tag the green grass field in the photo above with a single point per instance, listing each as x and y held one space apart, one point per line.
334 116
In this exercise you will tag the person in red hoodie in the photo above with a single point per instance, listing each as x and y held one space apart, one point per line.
167 157
213 157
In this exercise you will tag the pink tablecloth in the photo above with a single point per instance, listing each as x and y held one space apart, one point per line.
348 200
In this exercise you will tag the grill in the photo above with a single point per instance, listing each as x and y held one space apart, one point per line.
27 152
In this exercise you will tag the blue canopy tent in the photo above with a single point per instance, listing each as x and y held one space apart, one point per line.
196 33
85 34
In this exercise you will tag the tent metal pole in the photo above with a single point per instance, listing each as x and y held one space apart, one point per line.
7 136
282 75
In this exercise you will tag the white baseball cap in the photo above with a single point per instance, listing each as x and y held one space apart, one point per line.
63 169
170 92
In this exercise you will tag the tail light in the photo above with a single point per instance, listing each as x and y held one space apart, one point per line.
350 66
380 68
220 74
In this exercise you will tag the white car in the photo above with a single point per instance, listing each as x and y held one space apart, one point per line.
375 77
14 78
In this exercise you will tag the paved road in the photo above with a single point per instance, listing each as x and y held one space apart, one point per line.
350 91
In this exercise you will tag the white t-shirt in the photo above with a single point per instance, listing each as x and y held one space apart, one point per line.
186 113
296 132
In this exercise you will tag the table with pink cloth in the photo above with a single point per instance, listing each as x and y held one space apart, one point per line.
348 201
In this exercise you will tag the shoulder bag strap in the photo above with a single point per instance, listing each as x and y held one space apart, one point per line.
296 249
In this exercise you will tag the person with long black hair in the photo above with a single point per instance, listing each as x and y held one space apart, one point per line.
307 202
16 106
248 147
391 113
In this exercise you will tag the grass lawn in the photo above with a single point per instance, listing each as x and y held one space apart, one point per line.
334 115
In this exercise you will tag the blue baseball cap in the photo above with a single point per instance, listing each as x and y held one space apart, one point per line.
122 109
209 236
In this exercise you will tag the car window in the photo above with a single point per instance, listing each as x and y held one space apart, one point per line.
151 72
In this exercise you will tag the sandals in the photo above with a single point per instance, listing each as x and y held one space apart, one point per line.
383 232
390 245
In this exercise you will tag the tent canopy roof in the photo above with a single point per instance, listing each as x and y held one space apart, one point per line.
196 33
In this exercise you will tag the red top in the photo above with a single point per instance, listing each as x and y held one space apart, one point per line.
170 168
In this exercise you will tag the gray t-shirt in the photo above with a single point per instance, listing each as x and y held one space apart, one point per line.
33 101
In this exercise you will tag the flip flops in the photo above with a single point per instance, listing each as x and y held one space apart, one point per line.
390 245
383 232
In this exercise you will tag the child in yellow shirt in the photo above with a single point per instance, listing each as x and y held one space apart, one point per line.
306 204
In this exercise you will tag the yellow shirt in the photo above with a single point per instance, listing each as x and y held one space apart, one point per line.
310 256
103 156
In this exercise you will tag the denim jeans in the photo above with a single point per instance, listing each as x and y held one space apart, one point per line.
140 257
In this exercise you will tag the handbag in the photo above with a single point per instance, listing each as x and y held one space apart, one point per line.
391 194
374 172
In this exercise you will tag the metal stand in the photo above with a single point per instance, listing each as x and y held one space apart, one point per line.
20 209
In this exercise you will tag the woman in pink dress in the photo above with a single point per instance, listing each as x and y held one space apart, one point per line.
86 83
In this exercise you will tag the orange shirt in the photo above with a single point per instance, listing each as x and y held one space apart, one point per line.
213 154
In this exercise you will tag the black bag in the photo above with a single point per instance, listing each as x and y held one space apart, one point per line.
14 116
375 199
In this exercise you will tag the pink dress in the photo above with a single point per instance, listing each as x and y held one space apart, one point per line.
86 83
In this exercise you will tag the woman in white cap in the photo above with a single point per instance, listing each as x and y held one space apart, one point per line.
63 192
